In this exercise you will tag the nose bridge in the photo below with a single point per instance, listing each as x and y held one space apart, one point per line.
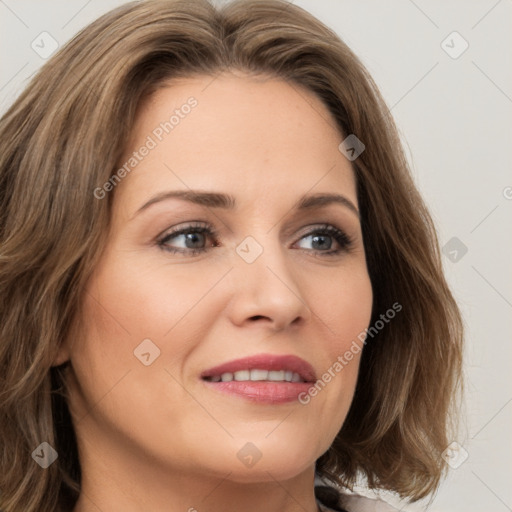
263 256
264 284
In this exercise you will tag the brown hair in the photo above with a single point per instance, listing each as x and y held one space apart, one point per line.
54 153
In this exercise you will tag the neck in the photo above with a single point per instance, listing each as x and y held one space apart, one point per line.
128 482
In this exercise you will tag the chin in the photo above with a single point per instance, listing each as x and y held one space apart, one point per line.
268 472
265 460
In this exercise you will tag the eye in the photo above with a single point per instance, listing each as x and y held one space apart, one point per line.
322 240
193 240
192 237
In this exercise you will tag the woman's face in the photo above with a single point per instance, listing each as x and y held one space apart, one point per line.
261 276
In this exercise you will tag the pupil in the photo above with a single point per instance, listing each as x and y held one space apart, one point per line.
320 237
192 237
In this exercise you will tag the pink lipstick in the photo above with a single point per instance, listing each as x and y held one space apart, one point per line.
267 378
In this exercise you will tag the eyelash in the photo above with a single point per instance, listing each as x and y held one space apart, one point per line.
341 237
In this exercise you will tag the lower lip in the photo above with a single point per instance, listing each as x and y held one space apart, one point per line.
262 391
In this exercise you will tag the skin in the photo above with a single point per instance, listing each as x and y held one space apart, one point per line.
155 437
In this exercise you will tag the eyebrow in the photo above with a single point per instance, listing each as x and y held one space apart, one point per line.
228 202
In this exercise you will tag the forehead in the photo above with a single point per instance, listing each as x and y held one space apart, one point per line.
237 133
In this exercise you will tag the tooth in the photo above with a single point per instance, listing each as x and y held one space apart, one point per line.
241 375
276 375
259 374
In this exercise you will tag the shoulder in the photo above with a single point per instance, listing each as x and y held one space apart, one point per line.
357 503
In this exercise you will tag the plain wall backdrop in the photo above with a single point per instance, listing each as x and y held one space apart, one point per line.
451 97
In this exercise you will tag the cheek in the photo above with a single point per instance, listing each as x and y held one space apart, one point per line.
345 307
126 305
148 298
131 300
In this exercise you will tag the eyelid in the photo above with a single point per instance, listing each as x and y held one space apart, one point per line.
188 226
341 237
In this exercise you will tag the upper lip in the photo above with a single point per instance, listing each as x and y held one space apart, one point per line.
287 362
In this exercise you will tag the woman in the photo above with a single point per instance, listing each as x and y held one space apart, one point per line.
220 285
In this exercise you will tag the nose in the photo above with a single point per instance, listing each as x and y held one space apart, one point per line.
267 291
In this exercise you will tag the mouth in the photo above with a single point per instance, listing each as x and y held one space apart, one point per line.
267 378
262 367
257 375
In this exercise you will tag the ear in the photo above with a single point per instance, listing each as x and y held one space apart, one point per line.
62 355
65 347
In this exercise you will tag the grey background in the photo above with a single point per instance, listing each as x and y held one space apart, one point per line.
454 116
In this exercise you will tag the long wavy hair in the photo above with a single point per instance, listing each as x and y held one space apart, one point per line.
64 136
